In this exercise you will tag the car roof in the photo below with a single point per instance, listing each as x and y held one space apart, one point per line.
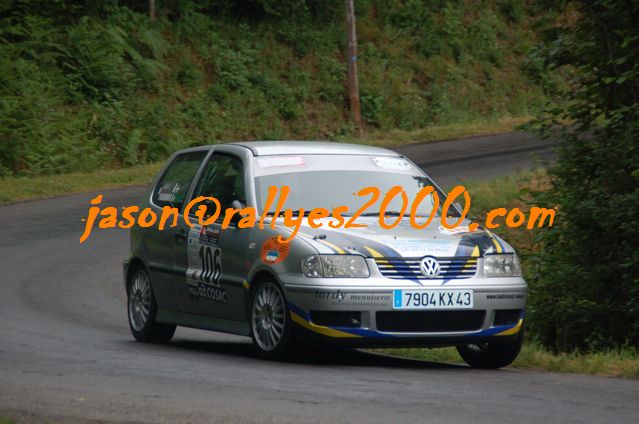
270 148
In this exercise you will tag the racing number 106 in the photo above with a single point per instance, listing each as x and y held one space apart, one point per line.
211 264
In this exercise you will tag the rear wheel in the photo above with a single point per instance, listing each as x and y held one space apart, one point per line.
142 310
492 355
271 325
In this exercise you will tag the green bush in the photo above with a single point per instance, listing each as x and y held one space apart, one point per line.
94 62
513 9
188 74
372 107
585 282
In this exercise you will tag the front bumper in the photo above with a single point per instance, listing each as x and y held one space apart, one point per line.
363 313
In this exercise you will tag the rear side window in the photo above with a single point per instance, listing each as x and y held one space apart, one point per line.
172 187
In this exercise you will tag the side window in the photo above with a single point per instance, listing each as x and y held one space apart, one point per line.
223 178
172 187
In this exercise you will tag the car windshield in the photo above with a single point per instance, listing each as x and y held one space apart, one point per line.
330 188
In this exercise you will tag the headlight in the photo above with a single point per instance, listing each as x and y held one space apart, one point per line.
502 265
335 266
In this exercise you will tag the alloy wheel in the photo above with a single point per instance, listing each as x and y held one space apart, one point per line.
139 301
268 318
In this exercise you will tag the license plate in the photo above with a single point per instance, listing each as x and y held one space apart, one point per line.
432 299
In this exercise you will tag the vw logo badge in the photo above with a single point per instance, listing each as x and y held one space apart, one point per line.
430 267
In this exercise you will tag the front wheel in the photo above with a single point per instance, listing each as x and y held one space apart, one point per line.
271 324
492 355
142 309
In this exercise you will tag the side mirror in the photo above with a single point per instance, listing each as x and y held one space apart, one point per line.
236 204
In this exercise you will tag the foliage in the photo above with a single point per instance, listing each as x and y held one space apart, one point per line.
585 282
96 84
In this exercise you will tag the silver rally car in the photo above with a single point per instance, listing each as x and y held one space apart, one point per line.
356 287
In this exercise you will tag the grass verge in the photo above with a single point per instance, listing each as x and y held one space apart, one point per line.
396 138
613 363
15 189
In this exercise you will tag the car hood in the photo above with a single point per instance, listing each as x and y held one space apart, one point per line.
403 240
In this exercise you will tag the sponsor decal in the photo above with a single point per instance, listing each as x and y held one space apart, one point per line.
372 299
216 294
329 294
274 251
205 264
338 297
168 191
455 231
505 296
279 161
209 236
391 163
415 247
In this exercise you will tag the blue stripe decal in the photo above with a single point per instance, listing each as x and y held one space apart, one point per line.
363 332
501 245
464 249
299 311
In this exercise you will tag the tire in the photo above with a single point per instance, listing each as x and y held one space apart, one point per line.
271 324
142 310
492 355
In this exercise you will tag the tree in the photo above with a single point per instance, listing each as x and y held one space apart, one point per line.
585 284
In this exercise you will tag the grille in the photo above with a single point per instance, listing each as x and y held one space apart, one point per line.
429 321
401 268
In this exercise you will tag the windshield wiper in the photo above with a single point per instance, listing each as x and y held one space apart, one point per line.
387 213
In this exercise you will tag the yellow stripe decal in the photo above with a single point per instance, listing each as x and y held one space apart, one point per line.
513 330
320 329
374 252
472 262
497 245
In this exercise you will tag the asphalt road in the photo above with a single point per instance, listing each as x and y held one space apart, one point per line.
474 158
66 353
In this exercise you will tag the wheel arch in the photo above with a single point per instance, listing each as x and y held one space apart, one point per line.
133 265
261 275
